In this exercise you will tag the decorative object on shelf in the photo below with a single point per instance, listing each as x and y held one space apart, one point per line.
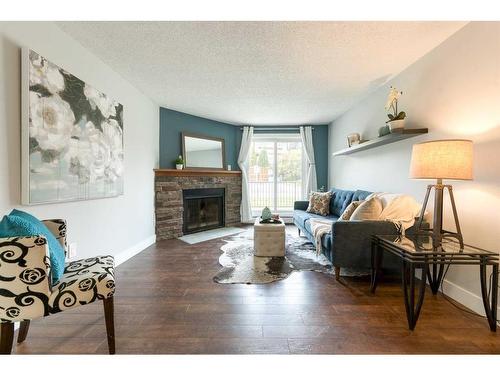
396 119
395 136
443 159
72 136
384 130
266 214
353 139
229 167
179 162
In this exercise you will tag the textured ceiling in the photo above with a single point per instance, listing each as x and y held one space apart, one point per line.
273 73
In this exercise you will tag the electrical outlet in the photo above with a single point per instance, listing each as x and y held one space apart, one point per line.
72 250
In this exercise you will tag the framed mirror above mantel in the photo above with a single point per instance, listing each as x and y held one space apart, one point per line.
203 152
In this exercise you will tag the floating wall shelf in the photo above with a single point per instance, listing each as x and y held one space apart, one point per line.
397 135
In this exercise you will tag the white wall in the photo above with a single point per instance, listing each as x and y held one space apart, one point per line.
454 90
120 226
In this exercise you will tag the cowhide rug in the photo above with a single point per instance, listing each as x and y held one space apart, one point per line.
240 266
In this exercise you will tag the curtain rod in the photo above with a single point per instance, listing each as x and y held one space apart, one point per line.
268 128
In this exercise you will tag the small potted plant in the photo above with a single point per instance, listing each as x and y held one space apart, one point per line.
396 119
179 163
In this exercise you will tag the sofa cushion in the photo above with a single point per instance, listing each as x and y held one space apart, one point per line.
360 195
300 217
307 223
339 201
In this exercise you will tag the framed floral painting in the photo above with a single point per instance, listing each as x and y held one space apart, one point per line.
72 136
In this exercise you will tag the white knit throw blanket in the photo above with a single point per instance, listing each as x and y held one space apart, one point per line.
400 209
319 228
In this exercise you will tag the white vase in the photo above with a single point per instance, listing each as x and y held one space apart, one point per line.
179 166
396 124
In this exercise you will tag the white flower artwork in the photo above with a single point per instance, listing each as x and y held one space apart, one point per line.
72 136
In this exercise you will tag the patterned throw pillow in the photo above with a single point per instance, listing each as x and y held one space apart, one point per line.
346 215
368 210
319 203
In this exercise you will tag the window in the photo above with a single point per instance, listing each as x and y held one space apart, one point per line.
276 167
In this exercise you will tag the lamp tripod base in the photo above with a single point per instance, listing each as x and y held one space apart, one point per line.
438 233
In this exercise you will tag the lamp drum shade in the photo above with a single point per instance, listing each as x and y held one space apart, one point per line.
444 159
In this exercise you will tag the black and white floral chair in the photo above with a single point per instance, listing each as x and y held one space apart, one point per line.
26 292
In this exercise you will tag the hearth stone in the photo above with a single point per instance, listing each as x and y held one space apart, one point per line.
169 205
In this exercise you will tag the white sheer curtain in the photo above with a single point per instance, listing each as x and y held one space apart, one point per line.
246 143
311 183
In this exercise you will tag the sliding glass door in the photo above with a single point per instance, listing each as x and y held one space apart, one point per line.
276 168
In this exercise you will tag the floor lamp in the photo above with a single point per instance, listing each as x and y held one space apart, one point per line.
444 159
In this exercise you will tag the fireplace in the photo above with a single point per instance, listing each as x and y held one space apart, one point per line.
203 209
169 197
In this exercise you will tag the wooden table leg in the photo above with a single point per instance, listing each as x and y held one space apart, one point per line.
23 331
6 337
109 314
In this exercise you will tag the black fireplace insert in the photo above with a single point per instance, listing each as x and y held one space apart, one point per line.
203 209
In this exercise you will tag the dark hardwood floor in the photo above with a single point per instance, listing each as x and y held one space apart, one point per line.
166 302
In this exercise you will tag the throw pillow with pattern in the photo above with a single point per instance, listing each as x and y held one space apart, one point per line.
346 215
319 203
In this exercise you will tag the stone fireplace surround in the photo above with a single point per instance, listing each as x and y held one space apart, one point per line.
169 184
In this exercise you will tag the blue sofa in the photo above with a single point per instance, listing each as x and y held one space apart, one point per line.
349 243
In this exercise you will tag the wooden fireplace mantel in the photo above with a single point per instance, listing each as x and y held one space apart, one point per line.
195 172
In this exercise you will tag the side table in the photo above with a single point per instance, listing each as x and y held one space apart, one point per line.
423 252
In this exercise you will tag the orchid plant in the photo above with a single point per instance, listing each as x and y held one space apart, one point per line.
392 105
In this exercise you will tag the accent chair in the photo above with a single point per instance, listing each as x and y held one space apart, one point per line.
26 292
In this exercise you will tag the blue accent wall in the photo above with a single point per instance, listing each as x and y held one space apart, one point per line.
320 141
173 123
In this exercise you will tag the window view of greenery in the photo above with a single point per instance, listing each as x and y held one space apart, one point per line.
275 183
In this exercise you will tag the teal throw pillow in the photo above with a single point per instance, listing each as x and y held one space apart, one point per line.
20 223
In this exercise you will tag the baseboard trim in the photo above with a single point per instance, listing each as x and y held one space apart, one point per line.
465 297
132 251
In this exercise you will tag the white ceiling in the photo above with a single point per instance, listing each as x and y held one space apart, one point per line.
272 73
